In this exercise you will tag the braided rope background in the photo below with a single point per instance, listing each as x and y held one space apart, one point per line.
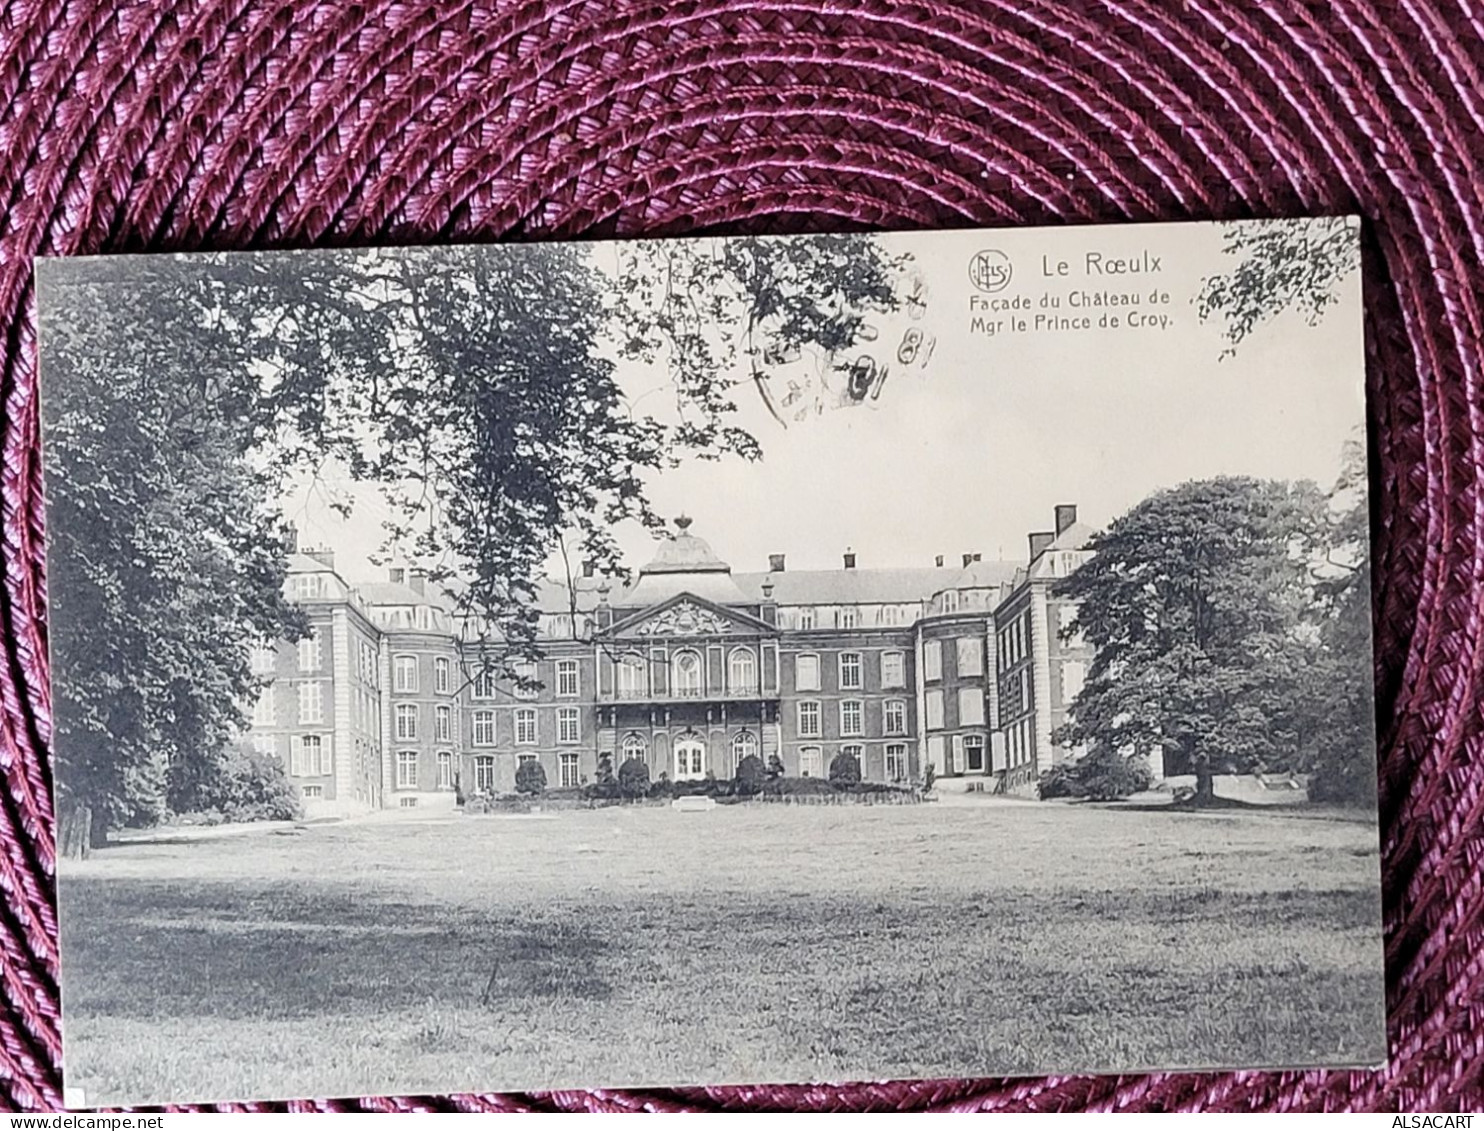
136 125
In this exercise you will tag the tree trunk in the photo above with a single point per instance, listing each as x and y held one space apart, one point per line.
1205 783
75 833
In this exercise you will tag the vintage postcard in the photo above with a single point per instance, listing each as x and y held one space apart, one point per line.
726 660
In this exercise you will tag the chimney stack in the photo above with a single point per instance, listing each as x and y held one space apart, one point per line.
396 575
938 561
324 555
1039 541
849 559
775 563
1066 514
291 538
588 568
970 559
419 582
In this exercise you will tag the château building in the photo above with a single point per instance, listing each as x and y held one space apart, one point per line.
689 668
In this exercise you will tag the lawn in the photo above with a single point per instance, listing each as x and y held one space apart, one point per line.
754 943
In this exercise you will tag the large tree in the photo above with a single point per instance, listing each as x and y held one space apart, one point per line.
1341 752
475 386
166 557
1198 602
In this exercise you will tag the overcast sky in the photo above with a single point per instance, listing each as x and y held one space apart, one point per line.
971 450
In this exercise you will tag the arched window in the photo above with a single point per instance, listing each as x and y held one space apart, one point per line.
633 749
743 746
742 672
690 758
687 675
633 677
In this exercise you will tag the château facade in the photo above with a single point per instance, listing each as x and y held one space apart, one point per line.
690 668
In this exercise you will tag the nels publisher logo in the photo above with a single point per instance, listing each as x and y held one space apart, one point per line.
990 271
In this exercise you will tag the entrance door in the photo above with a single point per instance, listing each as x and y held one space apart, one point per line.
690 760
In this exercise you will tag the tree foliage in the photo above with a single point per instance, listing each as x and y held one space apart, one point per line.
1340 756
1298 264
166 555
1199 604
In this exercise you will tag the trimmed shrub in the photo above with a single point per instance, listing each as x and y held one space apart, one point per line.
929 776
662 786
1102 775
530 777
783 787
845 769
633 778
750 776
1059 781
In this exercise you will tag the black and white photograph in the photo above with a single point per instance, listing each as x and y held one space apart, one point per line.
708 661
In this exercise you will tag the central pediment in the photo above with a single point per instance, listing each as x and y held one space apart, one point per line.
688 615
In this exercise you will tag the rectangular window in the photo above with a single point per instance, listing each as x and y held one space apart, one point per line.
484 774
932 660
443 724
311 703
266 745
806 672
406 722
809 718
440 676
525 726
896 762
850 671
970 707
970 656
935 709
522 759
445 769
858 753
852 717
265 709
569 724
312 792
484 684
308 757
264 658
811 762
404 673
894 719
806 618
311 655
567 766
484 728
566 679
525 680
955 755
848 617
406 769
893 669
973 753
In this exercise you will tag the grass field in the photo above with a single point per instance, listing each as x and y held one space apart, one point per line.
747 944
